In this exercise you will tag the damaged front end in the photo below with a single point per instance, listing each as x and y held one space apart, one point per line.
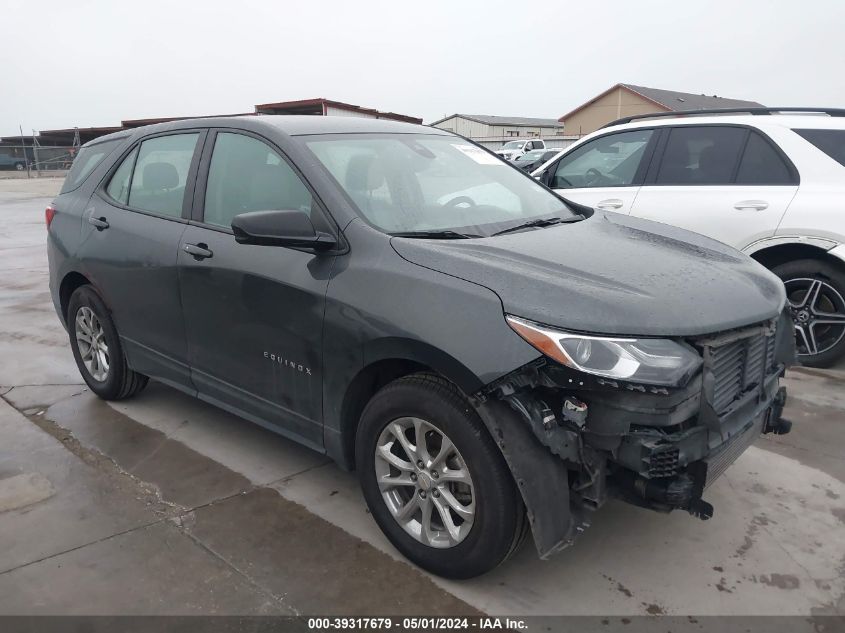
573 439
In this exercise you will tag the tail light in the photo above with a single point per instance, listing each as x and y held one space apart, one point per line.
49 214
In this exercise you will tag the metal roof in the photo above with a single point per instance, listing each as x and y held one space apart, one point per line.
510 121
319 106
682 101
670 100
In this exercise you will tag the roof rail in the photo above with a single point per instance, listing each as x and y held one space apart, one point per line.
751 110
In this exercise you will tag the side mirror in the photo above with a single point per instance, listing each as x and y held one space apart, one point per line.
280 228
544 177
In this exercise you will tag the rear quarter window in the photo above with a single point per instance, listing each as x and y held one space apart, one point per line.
831 142
86 161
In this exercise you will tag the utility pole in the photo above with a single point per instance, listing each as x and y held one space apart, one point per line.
35 145
23 147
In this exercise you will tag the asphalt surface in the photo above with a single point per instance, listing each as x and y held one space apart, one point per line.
163 504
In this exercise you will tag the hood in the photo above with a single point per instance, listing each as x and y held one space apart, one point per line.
611 274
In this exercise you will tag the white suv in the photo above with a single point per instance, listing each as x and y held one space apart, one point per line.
769 182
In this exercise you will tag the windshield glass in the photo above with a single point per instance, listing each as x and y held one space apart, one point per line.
409 182
513 145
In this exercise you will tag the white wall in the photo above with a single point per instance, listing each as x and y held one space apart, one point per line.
478 131
332 111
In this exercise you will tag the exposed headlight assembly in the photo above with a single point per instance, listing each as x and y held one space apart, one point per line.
651 361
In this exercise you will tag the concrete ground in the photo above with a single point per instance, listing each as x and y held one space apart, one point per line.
163 504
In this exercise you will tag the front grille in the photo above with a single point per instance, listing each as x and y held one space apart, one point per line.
738 366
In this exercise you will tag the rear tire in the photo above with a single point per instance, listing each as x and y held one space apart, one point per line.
816 293
460 544
20 166
97 349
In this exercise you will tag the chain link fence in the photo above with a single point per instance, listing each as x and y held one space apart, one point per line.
39 158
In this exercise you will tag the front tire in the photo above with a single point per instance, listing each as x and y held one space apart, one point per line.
97 349
815 291
434 480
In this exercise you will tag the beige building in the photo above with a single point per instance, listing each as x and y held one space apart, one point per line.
480 127
624 100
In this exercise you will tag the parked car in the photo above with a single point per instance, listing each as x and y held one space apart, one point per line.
533 159
512 149
8 161
771 186
398 298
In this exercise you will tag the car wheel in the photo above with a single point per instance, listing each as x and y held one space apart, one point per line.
97 349
815 291
20 166
434 480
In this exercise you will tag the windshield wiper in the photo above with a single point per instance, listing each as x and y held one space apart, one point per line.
540 223
435 235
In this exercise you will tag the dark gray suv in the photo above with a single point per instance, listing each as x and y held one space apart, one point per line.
490 358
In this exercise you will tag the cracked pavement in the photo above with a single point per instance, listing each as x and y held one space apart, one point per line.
163 504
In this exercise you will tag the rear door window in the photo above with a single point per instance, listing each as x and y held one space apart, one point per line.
118 188
831 142
86 161
161 172
762 165
608 161
705 155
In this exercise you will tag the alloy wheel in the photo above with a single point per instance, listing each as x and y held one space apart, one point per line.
90 339
818 313
425 482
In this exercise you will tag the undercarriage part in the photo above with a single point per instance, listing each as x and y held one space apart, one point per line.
574 411
653 454
539 416
682 492
775 423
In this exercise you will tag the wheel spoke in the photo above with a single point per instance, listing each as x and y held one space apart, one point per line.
83 325
420 429
457 475
407 511
812 295
830 318
465 512
393 460
103 360
427 535
446 449
387 482
399 433
448 521
807 338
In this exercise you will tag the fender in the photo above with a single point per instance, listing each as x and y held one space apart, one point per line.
425 354
823 243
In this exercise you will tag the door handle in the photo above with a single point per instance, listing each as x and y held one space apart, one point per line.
751 205
612 203
198 251
101 224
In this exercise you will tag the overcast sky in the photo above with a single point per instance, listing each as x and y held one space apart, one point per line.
91 62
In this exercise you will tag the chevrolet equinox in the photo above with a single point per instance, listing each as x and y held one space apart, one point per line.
491 358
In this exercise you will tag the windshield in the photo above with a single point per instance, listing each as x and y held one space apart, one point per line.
410 182
513 145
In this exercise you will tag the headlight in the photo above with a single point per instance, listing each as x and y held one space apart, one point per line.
650 361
